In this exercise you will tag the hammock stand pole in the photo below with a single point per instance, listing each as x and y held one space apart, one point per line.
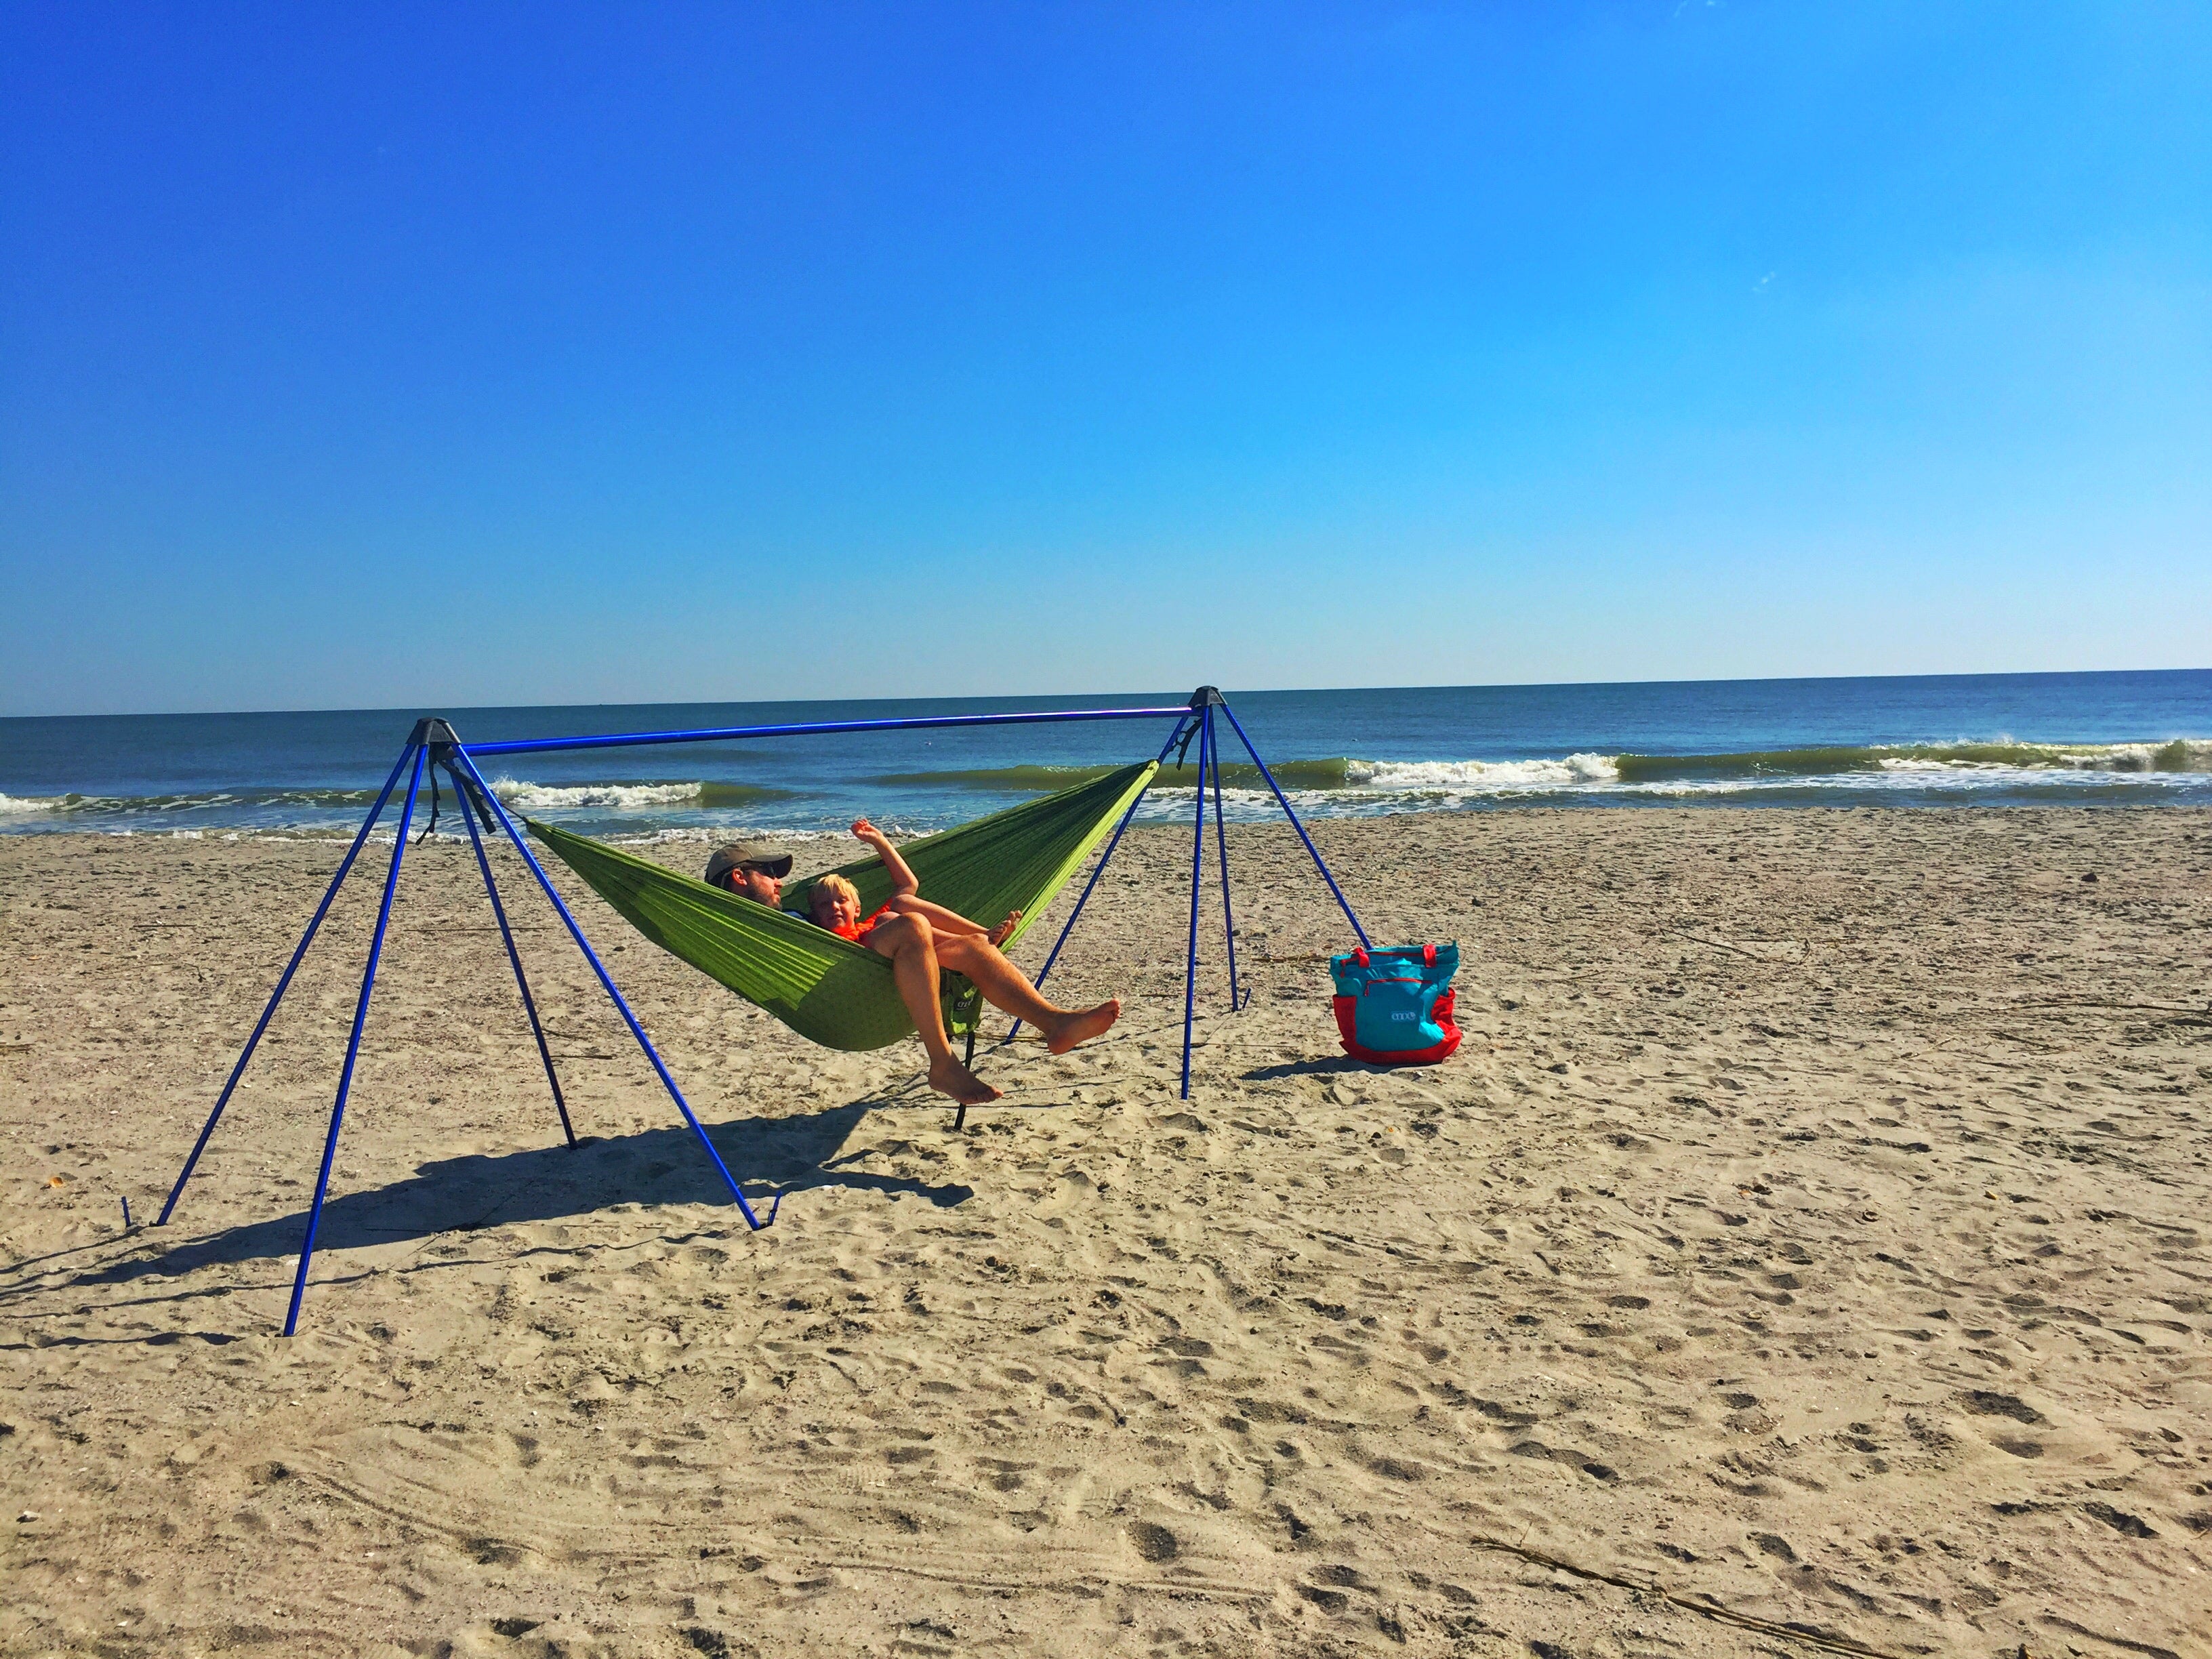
606 980
284 980
1221 851
1283 801
1097 871
1202 704
470 807
1197 860
353 1042
817 728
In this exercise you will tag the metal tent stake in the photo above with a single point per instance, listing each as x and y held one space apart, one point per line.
432 744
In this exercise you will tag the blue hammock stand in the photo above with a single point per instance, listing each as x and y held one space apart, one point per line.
433 745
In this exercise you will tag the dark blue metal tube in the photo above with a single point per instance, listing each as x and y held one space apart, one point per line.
1221 850
529 1005
353 1048
1197 859
1282 801
814 728
290 968
1097 871
506 822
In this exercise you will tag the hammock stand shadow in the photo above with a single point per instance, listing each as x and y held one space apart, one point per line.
432 747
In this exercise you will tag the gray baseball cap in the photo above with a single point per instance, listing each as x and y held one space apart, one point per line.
764 856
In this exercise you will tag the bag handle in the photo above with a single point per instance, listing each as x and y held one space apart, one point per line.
1360 956
1428 955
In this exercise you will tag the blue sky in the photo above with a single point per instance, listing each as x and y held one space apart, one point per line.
465 353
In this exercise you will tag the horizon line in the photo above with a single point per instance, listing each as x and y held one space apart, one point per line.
406 709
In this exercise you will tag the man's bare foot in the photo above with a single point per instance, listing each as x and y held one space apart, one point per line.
1005 930
949 1076
1080 1027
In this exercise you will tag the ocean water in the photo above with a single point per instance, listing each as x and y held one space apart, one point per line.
2120 739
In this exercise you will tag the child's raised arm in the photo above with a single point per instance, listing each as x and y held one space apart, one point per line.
904 883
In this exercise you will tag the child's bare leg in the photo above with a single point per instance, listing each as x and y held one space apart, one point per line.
951 922
941 919
1005 988
909 941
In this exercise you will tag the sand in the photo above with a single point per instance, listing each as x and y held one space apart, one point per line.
1812 1230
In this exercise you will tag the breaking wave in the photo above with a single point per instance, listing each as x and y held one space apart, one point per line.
2178 754
1451 776
73 805
630 796
1999 772
1592 771
1291 774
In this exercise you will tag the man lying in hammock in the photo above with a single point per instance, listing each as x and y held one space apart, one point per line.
918 937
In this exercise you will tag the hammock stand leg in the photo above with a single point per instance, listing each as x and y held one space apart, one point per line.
514 959
1283 802
353 1046
960 1117
1097 871
606 980
1197 860
1221 853
284 982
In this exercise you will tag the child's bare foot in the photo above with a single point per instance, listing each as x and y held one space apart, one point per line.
1005 930
1080 1027
949 1076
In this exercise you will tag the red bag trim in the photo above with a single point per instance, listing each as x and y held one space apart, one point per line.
1347 1009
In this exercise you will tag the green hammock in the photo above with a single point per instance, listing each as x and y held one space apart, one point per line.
826 988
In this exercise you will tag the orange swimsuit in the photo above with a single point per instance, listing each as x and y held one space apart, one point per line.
859 931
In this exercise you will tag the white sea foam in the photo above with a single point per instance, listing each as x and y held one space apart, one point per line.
1922 763
1482 776
547 797
30 803
1964 780
710 835
2179 755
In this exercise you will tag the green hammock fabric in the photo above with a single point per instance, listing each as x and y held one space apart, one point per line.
826 988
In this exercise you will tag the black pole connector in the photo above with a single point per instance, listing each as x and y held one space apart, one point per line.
1207 696
439 737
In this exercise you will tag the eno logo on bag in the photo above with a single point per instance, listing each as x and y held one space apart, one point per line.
1394 1007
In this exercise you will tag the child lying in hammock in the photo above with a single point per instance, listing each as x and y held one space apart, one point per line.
834 902
919 938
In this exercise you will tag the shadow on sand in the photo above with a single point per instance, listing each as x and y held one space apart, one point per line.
1332 1065
548 1183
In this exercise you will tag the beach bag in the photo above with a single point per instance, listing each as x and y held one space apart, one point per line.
1394 1007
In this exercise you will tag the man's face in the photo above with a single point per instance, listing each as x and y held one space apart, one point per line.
756 884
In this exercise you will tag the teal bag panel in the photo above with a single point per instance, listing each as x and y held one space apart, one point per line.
1395 1006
